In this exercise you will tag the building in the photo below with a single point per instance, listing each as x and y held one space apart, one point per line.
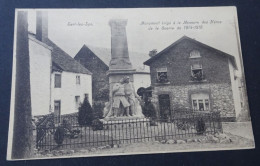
191 75
40 75
58 78
96 60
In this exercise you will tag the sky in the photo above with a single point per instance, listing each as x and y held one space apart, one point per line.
65 29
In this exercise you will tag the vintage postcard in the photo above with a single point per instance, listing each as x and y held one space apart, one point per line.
98 82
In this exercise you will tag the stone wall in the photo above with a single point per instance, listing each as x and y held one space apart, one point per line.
220 95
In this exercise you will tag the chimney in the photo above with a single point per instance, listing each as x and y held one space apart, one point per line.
153 52
41 25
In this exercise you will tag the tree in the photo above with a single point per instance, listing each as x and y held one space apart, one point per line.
85 115
22 130
149 109
103 94
98 108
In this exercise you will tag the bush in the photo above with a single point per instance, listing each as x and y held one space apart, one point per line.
85 115
97 125
59 135
98 108
200 127
66 124
149 110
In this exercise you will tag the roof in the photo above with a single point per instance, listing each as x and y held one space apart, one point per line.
64 60
232 58
137 59
60 59
32 37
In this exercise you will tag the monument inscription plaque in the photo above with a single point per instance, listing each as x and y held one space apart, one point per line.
119 49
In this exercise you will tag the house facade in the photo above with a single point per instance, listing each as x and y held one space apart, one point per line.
40 76
191 75
58 80
96 60
68 91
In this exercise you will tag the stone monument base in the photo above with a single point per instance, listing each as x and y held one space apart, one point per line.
118 123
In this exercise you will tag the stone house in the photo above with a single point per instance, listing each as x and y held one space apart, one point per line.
67 82
97 59
191 75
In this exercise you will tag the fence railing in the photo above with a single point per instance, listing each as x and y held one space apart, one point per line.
69 134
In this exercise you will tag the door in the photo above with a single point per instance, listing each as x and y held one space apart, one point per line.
164 106
57 111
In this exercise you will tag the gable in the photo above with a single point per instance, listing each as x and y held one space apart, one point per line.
177 60
195 42
85 55
104 54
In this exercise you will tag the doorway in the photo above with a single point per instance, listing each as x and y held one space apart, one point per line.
57 111
164 106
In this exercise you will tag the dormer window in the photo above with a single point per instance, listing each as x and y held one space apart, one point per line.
195 54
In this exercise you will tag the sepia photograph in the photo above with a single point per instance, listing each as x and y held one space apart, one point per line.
102 82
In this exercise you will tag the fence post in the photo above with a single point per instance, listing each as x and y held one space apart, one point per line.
219 121
214 119
112 134
36 136
164 130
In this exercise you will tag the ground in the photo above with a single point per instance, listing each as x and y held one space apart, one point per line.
243 129
148 147
240 134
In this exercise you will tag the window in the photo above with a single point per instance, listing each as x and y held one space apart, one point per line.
196 72
77 102
57 81
162 75
78 80
200 102
195 54
196 66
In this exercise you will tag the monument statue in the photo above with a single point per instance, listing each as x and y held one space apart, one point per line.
131 96
123 100
119 97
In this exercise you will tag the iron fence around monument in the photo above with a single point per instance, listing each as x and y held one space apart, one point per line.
70 135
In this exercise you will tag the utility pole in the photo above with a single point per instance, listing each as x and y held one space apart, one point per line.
22 131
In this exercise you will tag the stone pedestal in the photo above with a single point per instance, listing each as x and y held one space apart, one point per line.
125 123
